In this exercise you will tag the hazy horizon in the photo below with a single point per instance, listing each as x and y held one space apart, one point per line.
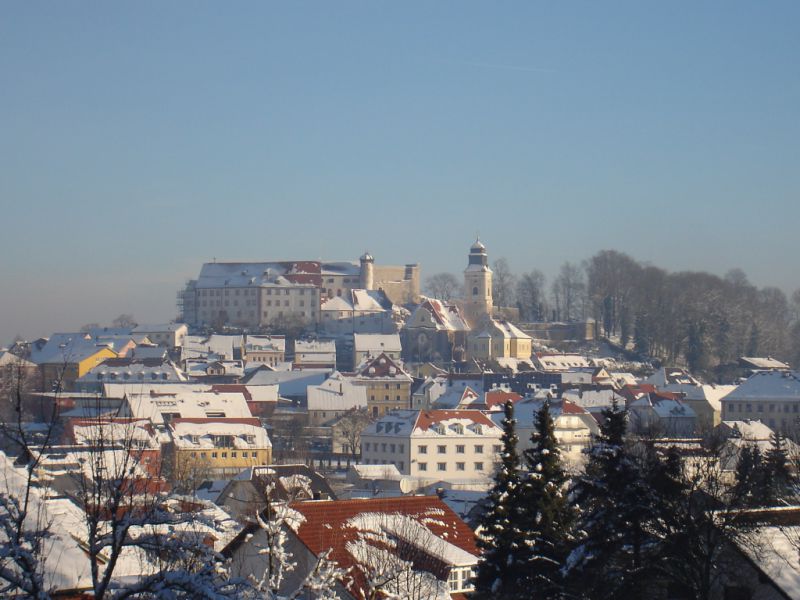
141 140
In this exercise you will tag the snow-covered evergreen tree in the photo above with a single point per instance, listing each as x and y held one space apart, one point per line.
546 515
778 479
501 568
610 560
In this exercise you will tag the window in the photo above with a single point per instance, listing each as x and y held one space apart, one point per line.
475 291
459 466
760 408
402 465
479 449
460 449
422 449
422 466
383 447
285 292
441 449
479 466
224 455
366 447
233 454
749 407
392 448
213 455
441 466
497 448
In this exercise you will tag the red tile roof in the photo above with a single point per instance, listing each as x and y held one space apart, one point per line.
500 397
326 527
427 418
569 408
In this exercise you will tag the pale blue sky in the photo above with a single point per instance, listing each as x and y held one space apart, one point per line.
138 140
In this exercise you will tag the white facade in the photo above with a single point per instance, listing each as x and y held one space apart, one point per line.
366 345
456 446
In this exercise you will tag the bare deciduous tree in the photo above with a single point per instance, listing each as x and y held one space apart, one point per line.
442 286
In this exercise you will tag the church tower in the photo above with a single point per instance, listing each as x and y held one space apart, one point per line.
477 285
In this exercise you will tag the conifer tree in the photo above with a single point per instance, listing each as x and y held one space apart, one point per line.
546 517
777 474
500 569
610 560
748 485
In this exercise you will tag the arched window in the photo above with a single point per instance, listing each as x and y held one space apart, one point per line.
475 291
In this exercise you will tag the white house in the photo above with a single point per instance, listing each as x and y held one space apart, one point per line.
770 396
574 426
334 397
455 446
367 345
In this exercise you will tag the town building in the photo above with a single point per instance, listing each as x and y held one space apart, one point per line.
496 340
357 311
333 398
769 396
264 350
221 446
314 354
575 427
168 334
259 294
404 547
436 331
387 385
370 345
456 446
478 303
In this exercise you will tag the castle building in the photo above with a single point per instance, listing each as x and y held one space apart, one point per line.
256 294
477 286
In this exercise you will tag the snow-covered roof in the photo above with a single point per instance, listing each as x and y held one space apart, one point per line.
560 362
133 370
65 564
153 402
214 346
773 549
747 429
363 535
671 376
768 385
376 343
315 346
382 367
160 328
664 408
257 274
75 347
201 433
445 316
336 393
265 343
120 431
388 471
768 362
290 383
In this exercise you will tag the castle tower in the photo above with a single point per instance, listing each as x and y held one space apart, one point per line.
367 271
477 285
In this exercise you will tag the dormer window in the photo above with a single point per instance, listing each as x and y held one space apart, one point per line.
458 428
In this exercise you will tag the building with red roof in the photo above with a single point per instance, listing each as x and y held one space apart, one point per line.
406 547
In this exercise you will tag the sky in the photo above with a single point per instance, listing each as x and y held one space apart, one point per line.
141 139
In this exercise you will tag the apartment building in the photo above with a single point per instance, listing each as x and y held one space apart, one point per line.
437 445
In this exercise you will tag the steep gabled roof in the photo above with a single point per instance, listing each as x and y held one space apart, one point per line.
424 530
